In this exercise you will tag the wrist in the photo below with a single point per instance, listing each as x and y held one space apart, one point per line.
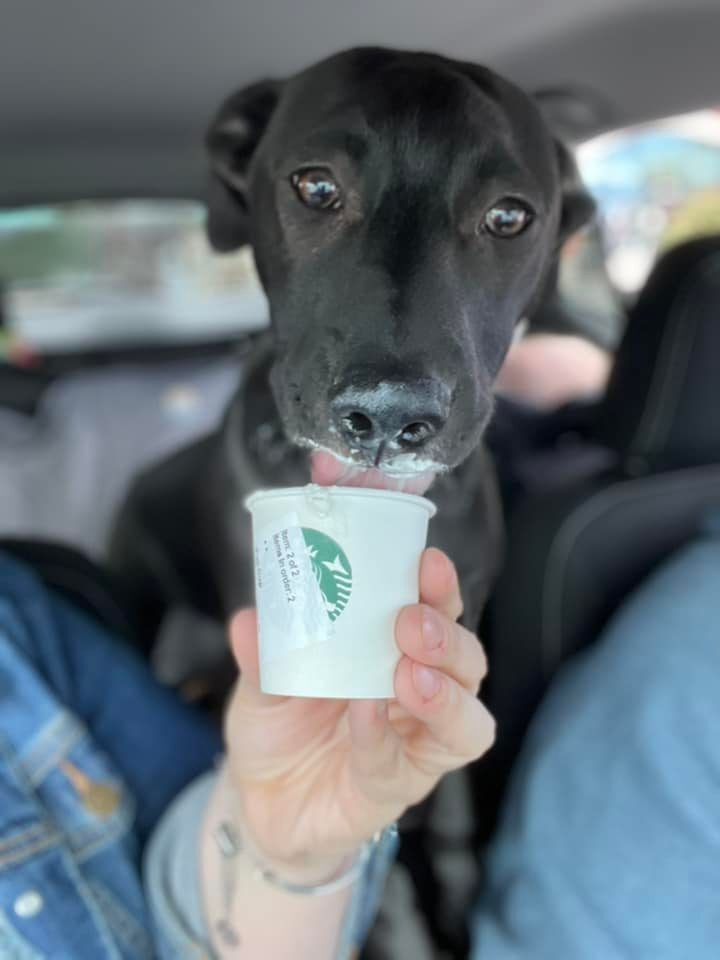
302 868
308 869
268 914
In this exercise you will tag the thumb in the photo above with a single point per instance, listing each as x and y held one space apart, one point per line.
243 632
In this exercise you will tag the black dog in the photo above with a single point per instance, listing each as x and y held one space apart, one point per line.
405 212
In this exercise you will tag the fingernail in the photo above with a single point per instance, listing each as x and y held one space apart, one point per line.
432 629
427 682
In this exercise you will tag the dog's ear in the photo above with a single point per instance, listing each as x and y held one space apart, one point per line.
231 142
572 113
578 207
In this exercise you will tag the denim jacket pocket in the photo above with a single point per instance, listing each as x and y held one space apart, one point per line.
24 828
51 905
79 788
48 907
24 837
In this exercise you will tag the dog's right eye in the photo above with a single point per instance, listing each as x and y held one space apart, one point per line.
508 218
317 189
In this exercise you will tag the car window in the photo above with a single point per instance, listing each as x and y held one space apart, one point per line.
88 276
656 185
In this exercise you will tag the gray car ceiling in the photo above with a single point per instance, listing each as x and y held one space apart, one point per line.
111 99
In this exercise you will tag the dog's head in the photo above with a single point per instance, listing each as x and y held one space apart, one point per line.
405 212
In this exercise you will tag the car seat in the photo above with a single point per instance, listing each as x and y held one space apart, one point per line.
575 551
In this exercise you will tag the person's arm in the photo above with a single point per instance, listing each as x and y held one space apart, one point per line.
308 783
243 910
197 823
547 370
609 845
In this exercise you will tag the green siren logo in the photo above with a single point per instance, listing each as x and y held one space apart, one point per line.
332 570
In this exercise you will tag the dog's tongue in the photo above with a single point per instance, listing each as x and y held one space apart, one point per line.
327 471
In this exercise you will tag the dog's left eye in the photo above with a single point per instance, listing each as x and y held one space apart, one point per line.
317 189
508 218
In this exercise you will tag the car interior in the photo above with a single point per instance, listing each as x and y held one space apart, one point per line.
122 336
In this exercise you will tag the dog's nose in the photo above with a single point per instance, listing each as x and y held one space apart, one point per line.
404 414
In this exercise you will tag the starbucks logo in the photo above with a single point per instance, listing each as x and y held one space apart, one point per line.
332 570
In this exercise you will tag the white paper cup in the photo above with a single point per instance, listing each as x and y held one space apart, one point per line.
333 567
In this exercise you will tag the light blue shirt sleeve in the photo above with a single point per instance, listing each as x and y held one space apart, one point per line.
610 843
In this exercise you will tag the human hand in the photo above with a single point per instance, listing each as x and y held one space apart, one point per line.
317 778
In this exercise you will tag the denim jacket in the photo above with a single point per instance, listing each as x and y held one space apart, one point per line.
92 750
68 850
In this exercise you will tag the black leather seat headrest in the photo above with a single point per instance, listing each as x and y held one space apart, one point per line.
662 408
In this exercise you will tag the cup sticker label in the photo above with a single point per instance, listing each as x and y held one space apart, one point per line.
304 583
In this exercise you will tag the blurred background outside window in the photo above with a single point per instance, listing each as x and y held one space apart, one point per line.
656 185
